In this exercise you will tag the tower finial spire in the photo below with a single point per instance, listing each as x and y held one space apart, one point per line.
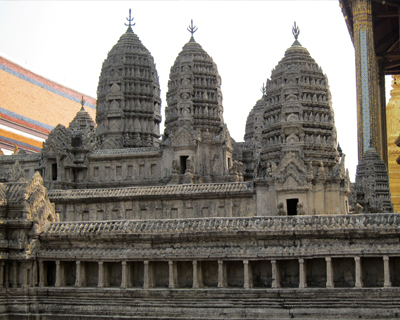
82 103
263 90
295 31
192 29
130 25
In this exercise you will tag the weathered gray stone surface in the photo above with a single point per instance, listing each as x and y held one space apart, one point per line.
195 225
371 192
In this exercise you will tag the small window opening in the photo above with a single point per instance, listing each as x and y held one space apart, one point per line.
183 164
229 162
291 205
54 171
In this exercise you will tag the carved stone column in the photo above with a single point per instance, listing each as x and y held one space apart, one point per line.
302 274
78 282
101 275
34 274
386 271
246 284
15 274
7 275
1 274
329 273
24 276
195 275
42 281
358 275
124 276
146 276
58 274
172 280
276 277
221 274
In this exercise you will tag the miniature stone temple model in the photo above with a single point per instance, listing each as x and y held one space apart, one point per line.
112 221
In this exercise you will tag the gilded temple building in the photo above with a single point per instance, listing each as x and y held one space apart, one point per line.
393 131
112 221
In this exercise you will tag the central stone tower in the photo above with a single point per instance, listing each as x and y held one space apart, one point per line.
128 96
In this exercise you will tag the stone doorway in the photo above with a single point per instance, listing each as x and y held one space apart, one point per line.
182 168
291 205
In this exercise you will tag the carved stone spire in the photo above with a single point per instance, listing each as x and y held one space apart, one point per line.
298 114
372 183
194 90
128 96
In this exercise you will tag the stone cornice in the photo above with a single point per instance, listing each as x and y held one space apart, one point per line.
107 153
171 190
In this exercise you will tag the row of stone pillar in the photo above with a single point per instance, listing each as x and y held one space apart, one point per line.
197 274
13 268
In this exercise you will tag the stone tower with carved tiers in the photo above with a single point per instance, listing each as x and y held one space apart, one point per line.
128 96
298 160
196 140
372 190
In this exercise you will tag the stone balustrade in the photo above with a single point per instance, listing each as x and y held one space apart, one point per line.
387 222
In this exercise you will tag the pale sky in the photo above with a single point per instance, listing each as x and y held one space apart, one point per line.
67 42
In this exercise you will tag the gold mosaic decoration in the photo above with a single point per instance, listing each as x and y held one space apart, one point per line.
368 116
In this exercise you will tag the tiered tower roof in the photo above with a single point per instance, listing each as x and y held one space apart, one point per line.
372 183
82 120
298 116
194 91
128 105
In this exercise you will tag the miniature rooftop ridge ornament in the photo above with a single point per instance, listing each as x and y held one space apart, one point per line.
130 25
192 29
296 32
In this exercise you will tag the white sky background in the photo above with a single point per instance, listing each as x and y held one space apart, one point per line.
67 42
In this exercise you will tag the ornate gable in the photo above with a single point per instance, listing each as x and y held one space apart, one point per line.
110 143
59 140
291 172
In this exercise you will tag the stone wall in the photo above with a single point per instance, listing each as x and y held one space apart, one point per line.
166 202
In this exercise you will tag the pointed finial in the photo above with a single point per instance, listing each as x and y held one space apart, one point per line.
129 25
295 31
82 102
192 29
263 90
